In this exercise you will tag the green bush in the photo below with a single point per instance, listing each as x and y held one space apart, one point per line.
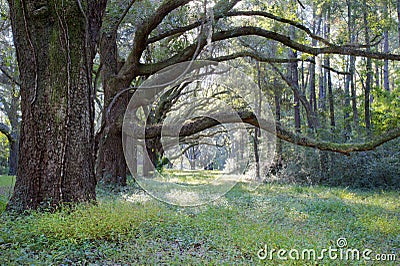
373 169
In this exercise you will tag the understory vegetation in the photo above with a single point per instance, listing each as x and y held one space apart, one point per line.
129 227
364 170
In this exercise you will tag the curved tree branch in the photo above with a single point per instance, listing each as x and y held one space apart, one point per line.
192 127
127 71
287 41
12 80
187 53
7 132
264 59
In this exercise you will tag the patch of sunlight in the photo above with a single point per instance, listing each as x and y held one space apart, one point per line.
137 198
385 200
297 216
382 224
347 195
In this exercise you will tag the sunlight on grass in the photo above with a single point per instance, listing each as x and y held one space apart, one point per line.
228 231
190 177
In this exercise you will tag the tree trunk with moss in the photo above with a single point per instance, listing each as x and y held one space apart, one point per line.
54 52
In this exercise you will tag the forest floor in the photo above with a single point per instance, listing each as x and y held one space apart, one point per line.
237 229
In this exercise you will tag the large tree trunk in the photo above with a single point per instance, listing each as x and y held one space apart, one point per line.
110 164
56 143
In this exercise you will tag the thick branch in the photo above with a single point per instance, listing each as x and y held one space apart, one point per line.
187 53
12 80
261 58
7 132
234 14
285 40
127 71
192 127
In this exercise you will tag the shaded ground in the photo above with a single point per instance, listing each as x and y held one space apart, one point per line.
129 227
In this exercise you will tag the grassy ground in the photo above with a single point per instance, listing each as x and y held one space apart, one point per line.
130 227
6 184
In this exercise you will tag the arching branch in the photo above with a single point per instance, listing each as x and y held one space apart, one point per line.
192 127
7 132
187 53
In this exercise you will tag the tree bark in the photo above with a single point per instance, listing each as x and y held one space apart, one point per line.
110 163
56 144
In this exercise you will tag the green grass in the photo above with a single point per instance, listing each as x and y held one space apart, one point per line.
6 185
190 177
6 180
128 228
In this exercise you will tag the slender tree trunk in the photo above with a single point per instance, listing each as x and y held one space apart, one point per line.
351 24
347 126
313 96
349 76
57 145
321 90
294 77
277 98
257 132
353 91
328 72
368 82
386 83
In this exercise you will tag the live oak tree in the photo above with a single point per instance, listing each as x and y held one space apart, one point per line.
54 43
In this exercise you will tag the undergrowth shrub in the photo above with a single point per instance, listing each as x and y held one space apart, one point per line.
372 169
